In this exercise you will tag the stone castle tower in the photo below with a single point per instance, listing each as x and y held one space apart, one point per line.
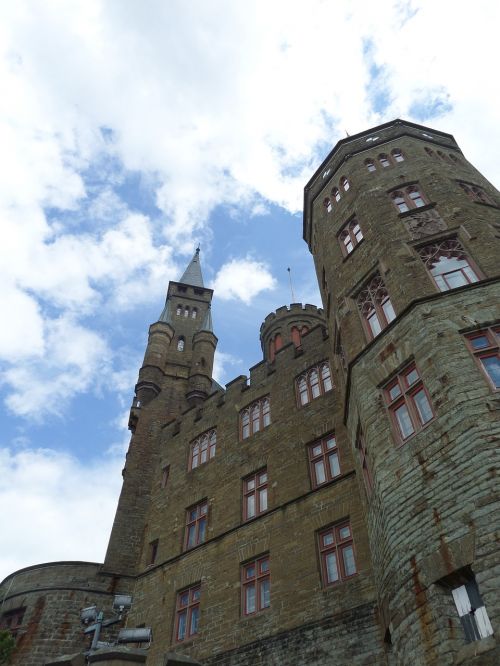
340 505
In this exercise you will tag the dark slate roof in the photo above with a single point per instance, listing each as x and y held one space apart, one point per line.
207 322
165 316
192 274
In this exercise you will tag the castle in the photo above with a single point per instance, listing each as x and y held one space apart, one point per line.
341 505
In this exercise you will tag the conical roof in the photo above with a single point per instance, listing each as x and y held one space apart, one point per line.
165 316
207 322
192 275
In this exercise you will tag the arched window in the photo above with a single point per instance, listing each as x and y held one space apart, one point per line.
327 203
314 382
275 344
350 236
344 183
179 310
375 306
255 417
194 313
186 311
296 336
429 152
448 264
203 448
180 344
475 193
304 330
442 156
384 160
409 198
370 165
454 158
336 194
397 155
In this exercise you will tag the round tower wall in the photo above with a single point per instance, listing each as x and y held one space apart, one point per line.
287 325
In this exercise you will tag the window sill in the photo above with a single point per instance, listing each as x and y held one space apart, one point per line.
418 209
348 256
471 650
400 443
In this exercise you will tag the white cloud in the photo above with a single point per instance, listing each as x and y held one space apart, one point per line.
243 279
224 367
74 505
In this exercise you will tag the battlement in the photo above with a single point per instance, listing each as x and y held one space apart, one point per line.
290 310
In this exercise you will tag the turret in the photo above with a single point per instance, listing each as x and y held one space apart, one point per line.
202 362
288 325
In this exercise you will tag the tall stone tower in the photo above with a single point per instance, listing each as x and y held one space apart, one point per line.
405 236
176 374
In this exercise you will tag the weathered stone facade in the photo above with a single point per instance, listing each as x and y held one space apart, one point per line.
422 507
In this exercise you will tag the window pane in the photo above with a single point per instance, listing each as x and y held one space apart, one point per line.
332 571
250 599
349 563
264 565
319 472
388 310
191 541
250 484
412 377
263 499
331 443
195 616
181 626
262 477
265 593
404 421
195 594
492 366
345 532
455 279
317 450
183 601
334 465
250 571
479 342
423 406
327 539
394 391
251 506
201 533
470 274
374 324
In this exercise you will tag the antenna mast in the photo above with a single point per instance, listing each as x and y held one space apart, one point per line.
291 286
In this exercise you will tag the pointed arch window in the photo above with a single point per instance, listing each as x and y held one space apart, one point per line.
370 165
275 344
475 193
194 313
296 337
178 312
448 264
255 417
186 311
350 236
180 344
375 306
336 194
327 203
314 382
384 160
203 449
344 183
429 151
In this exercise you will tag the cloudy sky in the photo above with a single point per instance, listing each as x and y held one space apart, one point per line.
130 132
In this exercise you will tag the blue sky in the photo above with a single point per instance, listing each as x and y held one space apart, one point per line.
130 133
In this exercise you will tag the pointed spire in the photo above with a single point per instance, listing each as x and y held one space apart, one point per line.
192 275
207 322
166 316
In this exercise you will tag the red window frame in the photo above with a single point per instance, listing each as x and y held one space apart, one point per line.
196 525
275 344
364 462
350 236
448 248
375 306
255 417
313 383
408 402
187 614
485 344
324 460
203 448
337 554
256 586
476 193
255 494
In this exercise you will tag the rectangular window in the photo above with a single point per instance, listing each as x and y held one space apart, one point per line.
255 417
153 551
375 306
256 586
408 402
165 472
336 550
472 612
364 462
203 448
255 494
485 347
187 613
324 460
350 236
196 525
